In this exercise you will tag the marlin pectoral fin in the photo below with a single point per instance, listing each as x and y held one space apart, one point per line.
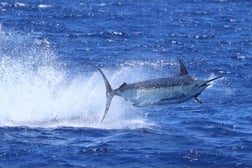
198 100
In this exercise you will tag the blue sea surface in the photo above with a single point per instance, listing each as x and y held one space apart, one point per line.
53 97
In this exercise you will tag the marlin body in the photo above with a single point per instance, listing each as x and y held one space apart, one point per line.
171 90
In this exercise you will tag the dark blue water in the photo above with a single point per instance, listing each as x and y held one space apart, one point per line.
52 97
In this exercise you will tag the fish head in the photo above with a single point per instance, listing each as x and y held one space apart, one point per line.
200 85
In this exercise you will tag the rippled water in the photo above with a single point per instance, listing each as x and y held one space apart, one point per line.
52 97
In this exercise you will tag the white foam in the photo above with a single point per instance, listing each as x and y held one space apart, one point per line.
36 92
44 6
19 4
46 97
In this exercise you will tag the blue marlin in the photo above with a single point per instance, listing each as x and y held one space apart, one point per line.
170 90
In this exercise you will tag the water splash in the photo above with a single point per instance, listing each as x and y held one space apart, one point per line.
37 92
36 89
46 97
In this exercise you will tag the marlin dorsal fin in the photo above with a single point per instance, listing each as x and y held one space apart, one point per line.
182 67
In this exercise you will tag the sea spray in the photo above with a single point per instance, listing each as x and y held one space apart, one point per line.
36 90
47 97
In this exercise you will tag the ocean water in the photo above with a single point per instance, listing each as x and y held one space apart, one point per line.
53 98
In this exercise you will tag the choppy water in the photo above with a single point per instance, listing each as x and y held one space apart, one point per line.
52 97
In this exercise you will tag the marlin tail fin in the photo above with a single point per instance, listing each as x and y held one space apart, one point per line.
109 94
